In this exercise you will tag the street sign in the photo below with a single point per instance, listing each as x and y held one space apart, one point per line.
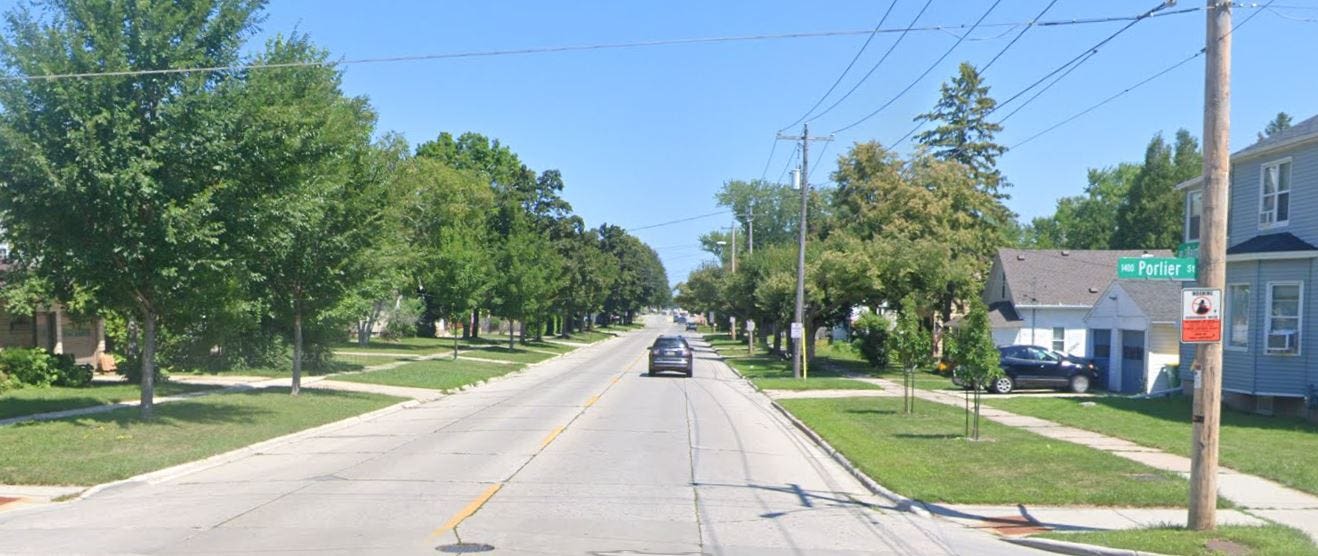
1156 268
798 331
750 325
1188 250
1201 316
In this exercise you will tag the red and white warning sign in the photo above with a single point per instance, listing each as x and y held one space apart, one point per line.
1201 316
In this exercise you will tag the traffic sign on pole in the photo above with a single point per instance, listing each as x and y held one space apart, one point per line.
798 331
1201 316
1156 268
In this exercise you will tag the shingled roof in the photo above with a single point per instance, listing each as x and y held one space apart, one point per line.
1159 300
1062 277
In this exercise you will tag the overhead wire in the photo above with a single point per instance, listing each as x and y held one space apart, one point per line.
678 221
850 64
990 63
876 65
1137 85
922 75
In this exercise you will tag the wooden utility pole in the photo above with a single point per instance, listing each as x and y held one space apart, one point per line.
1212 264
803 176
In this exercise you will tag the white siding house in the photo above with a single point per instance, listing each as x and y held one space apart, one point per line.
1040 297
1134 335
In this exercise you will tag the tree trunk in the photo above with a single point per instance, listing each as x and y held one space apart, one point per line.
297 353
148 403
510 333
777 340
475 323
455 343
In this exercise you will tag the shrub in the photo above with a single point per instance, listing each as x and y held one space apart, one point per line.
8 383
29 366
870 336
131 369
68 373
401 321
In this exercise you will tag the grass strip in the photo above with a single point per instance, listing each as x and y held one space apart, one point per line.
1269 540
1278 448
924 456
120 444
439 374
30 401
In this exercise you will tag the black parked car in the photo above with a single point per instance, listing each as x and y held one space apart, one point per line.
1033 366
670 353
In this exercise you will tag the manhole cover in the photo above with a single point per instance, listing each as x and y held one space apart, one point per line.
465 547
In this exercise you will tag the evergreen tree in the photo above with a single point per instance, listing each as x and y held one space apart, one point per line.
1278 124
1150 218
963 132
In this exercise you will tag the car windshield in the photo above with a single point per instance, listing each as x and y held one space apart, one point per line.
669 343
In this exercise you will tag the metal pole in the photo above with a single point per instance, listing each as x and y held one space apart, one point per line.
1206 415
750 235
734 245
799 343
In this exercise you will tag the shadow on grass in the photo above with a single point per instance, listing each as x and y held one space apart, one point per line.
872 411
927 436
210 410
1177 409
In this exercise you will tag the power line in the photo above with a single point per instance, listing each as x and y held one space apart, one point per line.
850 64
1137 85
818 158
1083 56
1045 88
678 221
790 159
922 75
557 49
873 68
772 149
986 67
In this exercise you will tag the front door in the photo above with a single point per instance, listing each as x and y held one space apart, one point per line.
1101 340
1132 361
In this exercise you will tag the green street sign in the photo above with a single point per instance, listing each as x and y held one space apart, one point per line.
1156 268
1188 250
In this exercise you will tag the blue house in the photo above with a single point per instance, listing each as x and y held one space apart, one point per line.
1270 339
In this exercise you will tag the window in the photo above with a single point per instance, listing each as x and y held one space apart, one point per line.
1059 339
1283 322
1194 214
1237 316
1275 194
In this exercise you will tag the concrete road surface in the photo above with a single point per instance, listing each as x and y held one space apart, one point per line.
583 455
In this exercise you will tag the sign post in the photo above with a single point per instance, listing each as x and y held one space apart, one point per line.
1201 316
750 337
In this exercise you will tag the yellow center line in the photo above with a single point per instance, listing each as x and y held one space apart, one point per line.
467 511
592 400
552 435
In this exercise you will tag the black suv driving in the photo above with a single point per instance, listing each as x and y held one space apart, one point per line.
670 353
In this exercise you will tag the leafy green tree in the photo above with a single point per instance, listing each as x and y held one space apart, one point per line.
528 271
302 147
109 183
976 357
1086 221
963 132
912 347
1280 123
1151 216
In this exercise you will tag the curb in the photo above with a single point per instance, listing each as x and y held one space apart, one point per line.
1075 548
182 469
901 502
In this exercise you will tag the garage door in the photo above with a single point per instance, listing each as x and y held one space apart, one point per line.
1132 361
1101 340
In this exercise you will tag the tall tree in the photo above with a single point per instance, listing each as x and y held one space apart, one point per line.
310 207
1280 123
109 182
963 132
1151 216
1086 221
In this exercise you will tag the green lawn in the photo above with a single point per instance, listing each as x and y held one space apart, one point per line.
588 336
817 383
1277 448
334 365
29 401
368 360
924 456
119 444
1271 540
440 374
502 353
770 372
415 344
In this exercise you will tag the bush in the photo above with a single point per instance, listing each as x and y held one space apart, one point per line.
131 369
68 373
402 321
8 383
29 366
870 336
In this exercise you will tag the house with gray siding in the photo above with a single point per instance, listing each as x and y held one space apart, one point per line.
1270 342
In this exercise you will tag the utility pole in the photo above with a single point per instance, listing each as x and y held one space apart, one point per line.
803 177
1212 264
750 235
734 245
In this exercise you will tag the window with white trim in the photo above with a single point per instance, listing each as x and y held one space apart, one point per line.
1275 194
1285 311
1237 316
1194 214
1059 339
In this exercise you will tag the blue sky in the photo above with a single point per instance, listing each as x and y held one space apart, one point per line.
648 135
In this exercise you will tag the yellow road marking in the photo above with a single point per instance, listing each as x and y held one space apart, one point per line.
616 379
592 400
552 435
467 511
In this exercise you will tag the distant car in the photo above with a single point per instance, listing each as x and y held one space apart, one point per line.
1033 366
671 353
692 327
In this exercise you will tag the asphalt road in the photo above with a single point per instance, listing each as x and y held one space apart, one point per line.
582 455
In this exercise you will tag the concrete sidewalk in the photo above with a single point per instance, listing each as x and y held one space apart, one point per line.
1258 496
